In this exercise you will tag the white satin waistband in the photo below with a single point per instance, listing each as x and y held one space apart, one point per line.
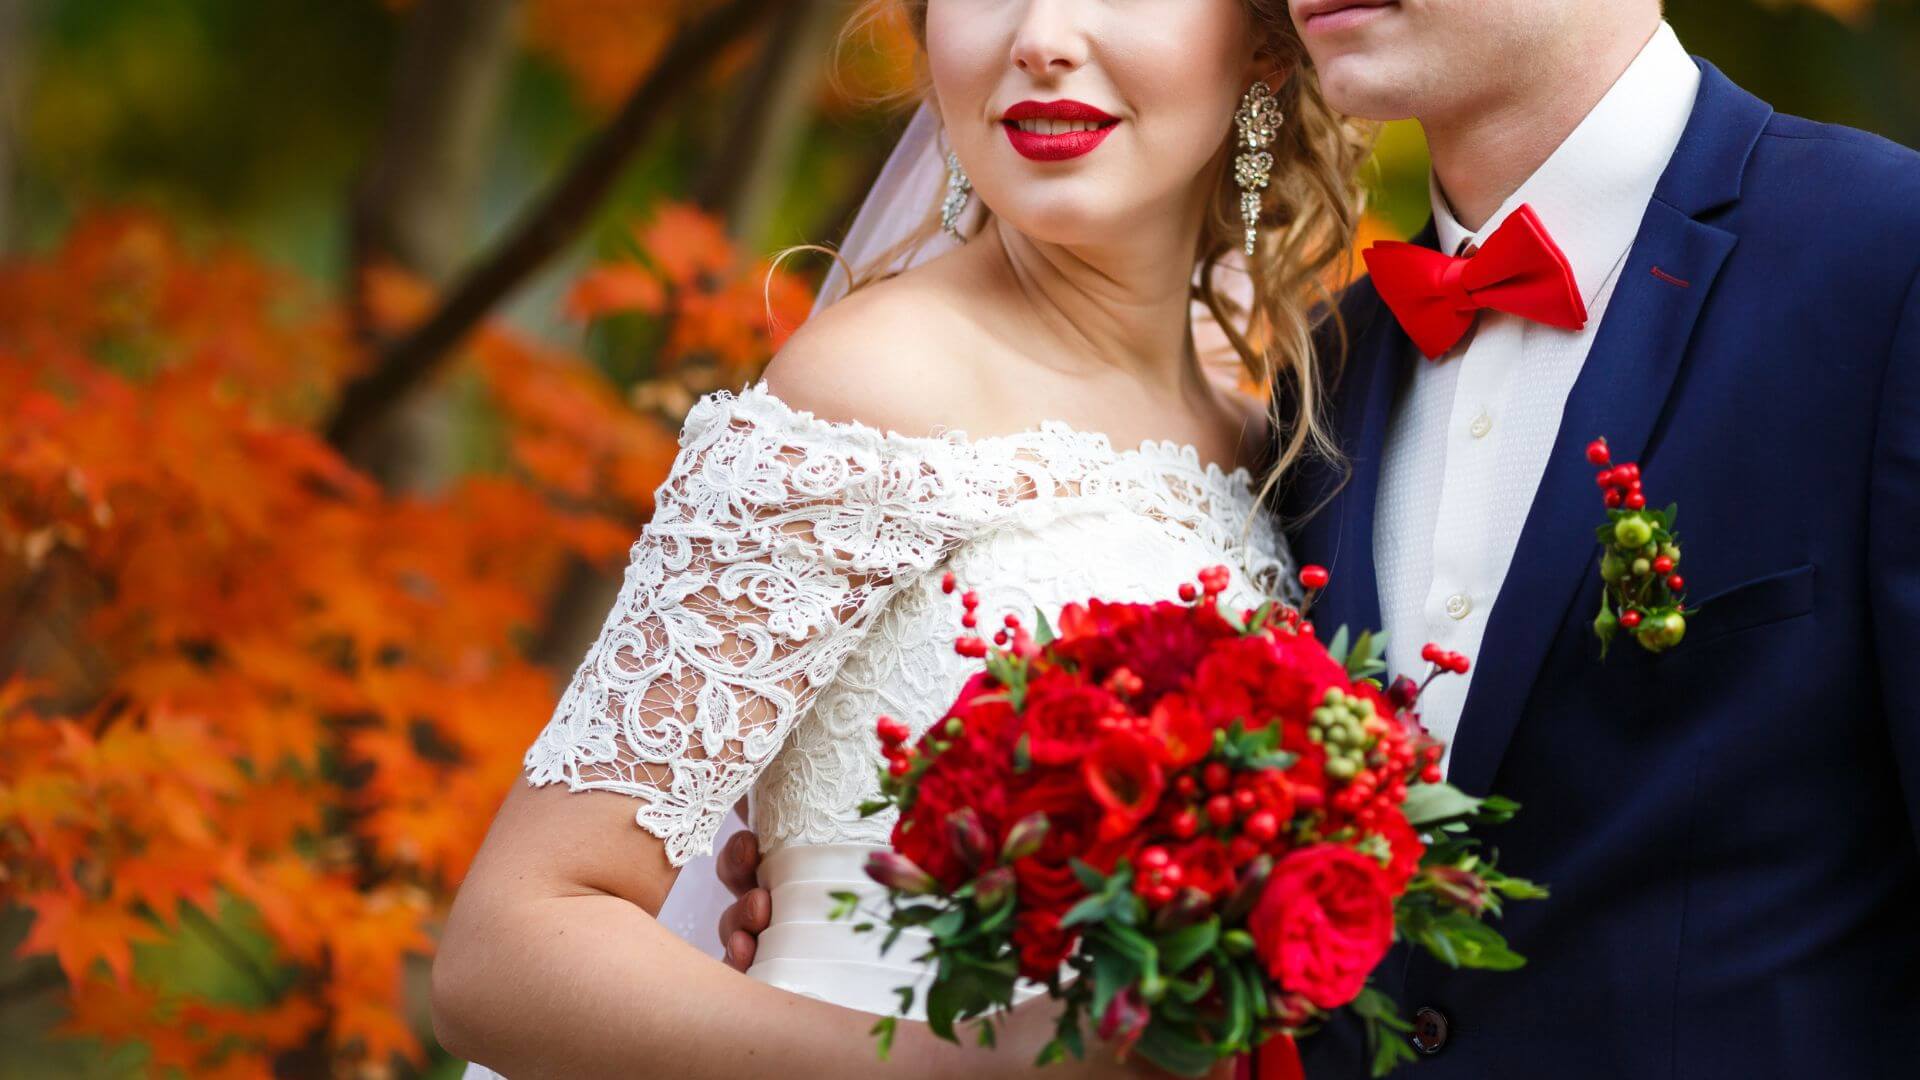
806 951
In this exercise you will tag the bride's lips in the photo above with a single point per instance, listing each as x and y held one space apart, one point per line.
1069 144
1332 16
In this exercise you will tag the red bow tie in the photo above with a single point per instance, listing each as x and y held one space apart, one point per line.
1518 271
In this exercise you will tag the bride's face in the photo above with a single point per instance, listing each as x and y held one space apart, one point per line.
1076 119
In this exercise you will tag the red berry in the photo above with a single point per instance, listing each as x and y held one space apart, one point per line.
1185 824
1614 498
1676 583
1217 775
1597 453
1263 826
1662 565
891 730
1604 478
1628 473
898 766
1629 619
1160 895
1245 801
1430 774
1242 851
1635 500
1000 637
1155 858
970 598
1306 629
946 582
1172 875
969 620
1314 577
1188 592
1186 787
1430 653
1220 810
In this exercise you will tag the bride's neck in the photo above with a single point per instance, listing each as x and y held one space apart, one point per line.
1123 306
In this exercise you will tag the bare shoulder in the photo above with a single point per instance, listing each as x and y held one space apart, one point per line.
893 355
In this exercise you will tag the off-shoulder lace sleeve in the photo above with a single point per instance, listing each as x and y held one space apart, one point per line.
775 541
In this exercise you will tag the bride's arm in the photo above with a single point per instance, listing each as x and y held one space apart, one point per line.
552 965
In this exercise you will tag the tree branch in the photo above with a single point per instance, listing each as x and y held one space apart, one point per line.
544 230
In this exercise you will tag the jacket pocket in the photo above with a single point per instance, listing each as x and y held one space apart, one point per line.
1773 598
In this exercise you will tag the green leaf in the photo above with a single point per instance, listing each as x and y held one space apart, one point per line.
1337 648
874 806
1175 1051
1042 629
1180 949
947 923
884 1030
1113 971
943 1004
844 904
1090 879
1430 804
1240 990
1093 909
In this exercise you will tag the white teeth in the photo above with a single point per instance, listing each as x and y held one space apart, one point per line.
1041 126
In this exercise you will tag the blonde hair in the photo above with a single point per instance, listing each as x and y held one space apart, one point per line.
1310 213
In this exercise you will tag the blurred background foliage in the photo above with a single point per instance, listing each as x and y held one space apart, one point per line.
342 345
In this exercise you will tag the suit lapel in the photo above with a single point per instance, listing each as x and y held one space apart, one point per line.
1378 363
1621 393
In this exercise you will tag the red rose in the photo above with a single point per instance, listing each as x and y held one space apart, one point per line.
1047 881
1203 865
972 772
1265 678
1042 944
1125 780
1181 732
1323 923
1060 717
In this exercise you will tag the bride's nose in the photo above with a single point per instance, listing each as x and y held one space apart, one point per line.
1049 39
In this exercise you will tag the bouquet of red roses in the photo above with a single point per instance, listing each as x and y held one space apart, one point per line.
1198 829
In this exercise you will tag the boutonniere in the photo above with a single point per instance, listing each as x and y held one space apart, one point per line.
1639 561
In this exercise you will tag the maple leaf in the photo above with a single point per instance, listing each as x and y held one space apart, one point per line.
77 931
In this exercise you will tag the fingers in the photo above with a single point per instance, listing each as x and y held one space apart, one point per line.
739 861
741 924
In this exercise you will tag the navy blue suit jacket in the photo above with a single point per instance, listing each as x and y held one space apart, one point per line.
1729 829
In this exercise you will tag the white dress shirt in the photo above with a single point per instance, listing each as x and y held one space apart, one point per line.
1470 435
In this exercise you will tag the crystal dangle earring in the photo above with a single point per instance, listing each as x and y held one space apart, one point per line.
1258 119
959 188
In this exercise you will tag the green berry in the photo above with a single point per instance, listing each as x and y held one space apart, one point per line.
1612 567
1641 568
1632 532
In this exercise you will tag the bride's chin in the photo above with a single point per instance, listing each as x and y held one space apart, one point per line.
1062 227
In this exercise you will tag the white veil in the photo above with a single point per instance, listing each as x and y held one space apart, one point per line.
904 199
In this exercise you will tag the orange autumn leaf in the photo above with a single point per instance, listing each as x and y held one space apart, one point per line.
78 931
613 289
270 693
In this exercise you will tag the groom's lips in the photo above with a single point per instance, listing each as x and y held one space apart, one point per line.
1332 16
1071 144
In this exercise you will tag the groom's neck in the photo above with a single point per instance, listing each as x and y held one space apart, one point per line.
1484 151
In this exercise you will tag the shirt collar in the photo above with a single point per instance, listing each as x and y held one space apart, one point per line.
1592 192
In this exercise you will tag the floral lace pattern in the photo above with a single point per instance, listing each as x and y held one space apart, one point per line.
785 594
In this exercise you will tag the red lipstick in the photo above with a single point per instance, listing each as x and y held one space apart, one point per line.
1056 147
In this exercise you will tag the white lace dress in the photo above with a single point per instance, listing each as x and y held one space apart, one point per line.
787 593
